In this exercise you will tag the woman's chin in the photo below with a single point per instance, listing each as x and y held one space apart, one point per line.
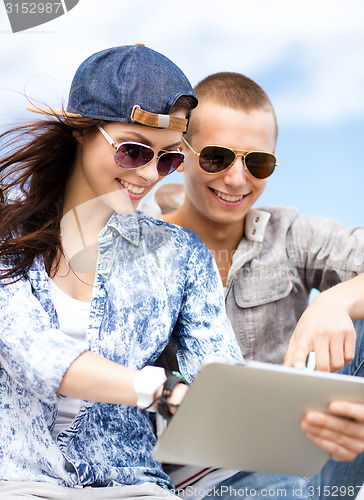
120 202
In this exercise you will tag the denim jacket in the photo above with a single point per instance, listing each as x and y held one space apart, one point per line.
153 281
281 257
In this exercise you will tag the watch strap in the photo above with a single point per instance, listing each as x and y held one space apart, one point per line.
162 405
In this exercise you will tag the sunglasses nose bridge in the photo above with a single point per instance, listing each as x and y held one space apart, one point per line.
239 159
149 171
236 173
243 156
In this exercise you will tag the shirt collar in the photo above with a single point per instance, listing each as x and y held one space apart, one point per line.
255 223
126 225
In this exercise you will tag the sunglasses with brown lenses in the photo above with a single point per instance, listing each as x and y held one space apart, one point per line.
216 159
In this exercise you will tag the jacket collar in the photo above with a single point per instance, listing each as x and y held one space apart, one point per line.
126 226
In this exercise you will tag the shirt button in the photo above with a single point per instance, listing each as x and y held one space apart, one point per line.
254 231
257 219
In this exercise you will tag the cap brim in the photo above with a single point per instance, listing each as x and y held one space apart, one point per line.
44 110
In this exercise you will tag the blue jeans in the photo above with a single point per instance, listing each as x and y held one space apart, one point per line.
338 480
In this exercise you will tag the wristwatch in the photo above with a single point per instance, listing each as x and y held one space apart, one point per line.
146 382
162 406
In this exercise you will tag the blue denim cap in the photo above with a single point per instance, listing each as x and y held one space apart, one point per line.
129 84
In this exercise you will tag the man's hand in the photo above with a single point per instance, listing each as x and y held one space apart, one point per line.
327 329
340 432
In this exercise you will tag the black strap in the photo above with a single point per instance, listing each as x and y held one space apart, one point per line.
161 403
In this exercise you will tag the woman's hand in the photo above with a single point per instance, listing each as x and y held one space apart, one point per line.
176 398
178 394
340 432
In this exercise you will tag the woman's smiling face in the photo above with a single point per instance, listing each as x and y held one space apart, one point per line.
95 174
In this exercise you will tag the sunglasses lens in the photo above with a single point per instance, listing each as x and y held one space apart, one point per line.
214 159
130 155
169 162
260 165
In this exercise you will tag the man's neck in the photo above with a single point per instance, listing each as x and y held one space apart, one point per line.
221 238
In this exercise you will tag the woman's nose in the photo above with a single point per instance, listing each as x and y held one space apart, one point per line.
149 172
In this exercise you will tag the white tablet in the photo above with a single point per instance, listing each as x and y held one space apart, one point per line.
247 417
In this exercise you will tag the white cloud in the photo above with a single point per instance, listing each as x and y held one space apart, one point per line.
202 36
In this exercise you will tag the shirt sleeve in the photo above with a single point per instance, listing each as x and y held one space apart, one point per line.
35 355
203 331
324 252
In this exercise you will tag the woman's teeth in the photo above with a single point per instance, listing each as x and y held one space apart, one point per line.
228 197
131 187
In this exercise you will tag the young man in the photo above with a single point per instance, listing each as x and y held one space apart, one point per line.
269 260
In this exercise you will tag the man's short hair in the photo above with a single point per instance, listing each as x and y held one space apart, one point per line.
234 90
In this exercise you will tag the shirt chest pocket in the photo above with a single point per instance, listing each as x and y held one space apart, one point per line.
254 287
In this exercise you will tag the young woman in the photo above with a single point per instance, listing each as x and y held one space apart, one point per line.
91 291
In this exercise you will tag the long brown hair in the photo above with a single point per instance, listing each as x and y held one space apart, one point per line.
33 177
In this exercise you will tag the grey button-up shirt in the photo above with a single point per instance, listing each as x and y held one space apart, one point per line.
280 259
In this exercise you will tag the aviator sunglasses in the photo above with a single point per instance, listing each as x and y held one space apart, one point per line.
216 159
132 155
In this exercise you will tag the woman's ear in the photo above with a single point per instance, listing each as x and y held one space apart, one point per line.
78 135
182 166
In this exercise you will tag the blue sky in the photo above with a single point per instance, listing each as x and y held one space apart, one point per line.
308 56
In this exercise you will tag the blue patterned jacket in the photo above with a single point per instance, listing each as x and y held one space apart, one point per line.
153 280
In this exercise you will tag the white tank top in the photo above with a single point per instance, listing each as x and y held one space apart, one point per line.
73 316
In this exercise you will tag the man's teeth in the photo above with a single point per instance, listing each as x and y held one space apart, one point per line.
228 197
130 187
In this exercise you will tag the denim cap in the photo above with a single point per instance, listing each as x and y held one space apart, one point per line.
129 84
